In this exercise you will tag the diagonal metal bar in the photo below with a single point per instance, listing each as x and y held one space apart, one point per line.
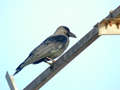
11 82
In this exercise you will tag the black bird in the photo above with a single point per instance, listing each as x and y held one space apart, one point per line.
49 49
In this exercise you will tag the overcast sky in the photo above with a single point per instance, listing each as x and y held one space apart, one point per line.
24 24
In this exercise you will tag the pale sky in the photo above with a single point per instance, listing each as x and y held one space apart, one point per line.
24 24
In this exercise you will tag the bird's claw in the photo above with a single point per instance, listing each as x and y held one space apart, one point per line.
49 63
50 60
53 61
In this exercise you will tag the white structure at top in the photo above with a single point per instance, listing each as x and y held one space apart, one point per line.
109 26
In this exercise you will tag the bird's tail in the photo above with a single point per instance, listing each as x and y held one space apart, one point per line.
19 68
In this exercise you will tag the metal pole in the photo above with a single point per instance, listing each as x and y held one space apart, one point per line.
11 82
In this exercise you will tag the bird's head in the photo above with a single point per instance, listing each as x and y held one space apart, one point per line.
63 30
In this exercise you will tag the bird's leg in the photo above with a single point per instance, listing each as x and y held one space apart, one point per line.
51 59
51 64
48 63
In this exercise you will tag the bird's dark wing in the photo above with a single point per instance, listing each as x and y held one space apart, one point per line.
55 39
51 44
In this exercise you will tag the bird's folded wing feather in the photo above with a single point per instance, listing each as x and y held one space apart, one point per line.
50 44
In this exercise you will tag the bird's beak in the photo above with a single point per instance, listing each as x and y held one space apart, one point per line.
72 35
